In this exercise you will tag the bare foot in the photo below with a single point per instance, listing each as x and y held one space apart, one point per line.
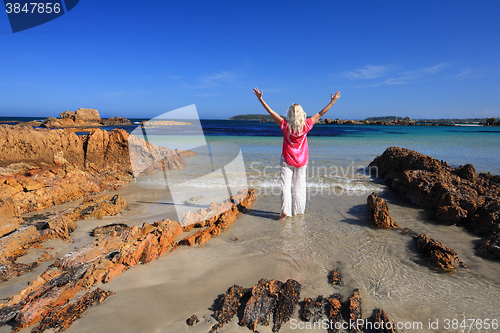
282 217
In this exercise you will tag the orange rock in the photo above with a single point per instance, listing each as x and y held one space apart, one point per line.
113 272
48 295
57 166
378 211
17 243
8 219
437 254
216 224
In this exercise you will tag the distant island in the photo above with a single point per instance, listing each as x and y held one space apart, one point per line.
386 120
254 117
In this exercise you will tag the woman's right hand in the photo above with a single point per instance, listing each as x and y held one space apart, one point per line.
336 96
258 93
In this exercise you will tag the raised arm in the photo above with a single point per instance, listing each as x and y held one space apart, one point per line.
276 117
320 114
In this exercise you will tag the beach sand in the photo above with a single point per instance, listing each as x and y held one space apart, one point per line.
334 232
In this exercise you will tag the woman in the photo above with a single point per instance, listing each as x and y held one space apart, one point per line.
295 153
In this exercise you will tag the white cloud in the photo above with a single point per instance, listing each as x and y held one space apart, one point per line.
213 80
366 73
435 69
393 77
205 95
466 73
398 80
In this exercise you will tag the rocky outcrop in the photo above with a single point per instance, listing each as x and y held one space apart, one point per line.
9 220
109 229
79 118
260 307
223 216
42 168
53 293
97 262
82 114
335 277
433 251
17 243
268 300
355 312
459 195
32 123
116 121
13 269
437 254
275 299
492 122
490 247
378 211
60 226
381 323
25 148
63 316
98 207
227 306
312 309
193 320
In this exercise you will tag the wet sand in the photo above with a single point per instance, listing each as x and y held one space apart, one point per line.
335 232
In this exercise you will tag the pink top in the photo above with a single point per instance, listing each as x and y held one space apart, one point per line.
295 149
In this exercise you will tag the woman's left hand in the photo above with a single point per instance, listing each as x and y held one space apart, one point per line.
336 96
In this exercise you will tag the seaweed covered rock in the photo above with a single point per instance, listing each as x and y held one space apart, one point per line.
268 300
228 305
193 320
260 306
312 309
288 299
335 277
378 211
437 254
490 247
355 312
459 195
315 310
381 323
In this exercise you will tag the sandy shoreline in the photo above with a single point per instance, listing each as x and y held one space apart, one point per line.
160 296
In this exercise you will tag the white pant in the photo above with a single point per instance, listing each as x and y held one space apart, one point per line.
293 199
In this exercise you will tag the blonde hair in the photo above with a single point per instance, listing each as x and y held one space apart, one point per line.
296 119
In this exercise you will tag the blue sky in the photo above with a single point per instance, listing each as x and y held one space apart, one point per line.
424 59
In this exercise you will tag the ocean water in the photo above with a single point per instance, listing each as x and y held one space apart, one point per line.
338 154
